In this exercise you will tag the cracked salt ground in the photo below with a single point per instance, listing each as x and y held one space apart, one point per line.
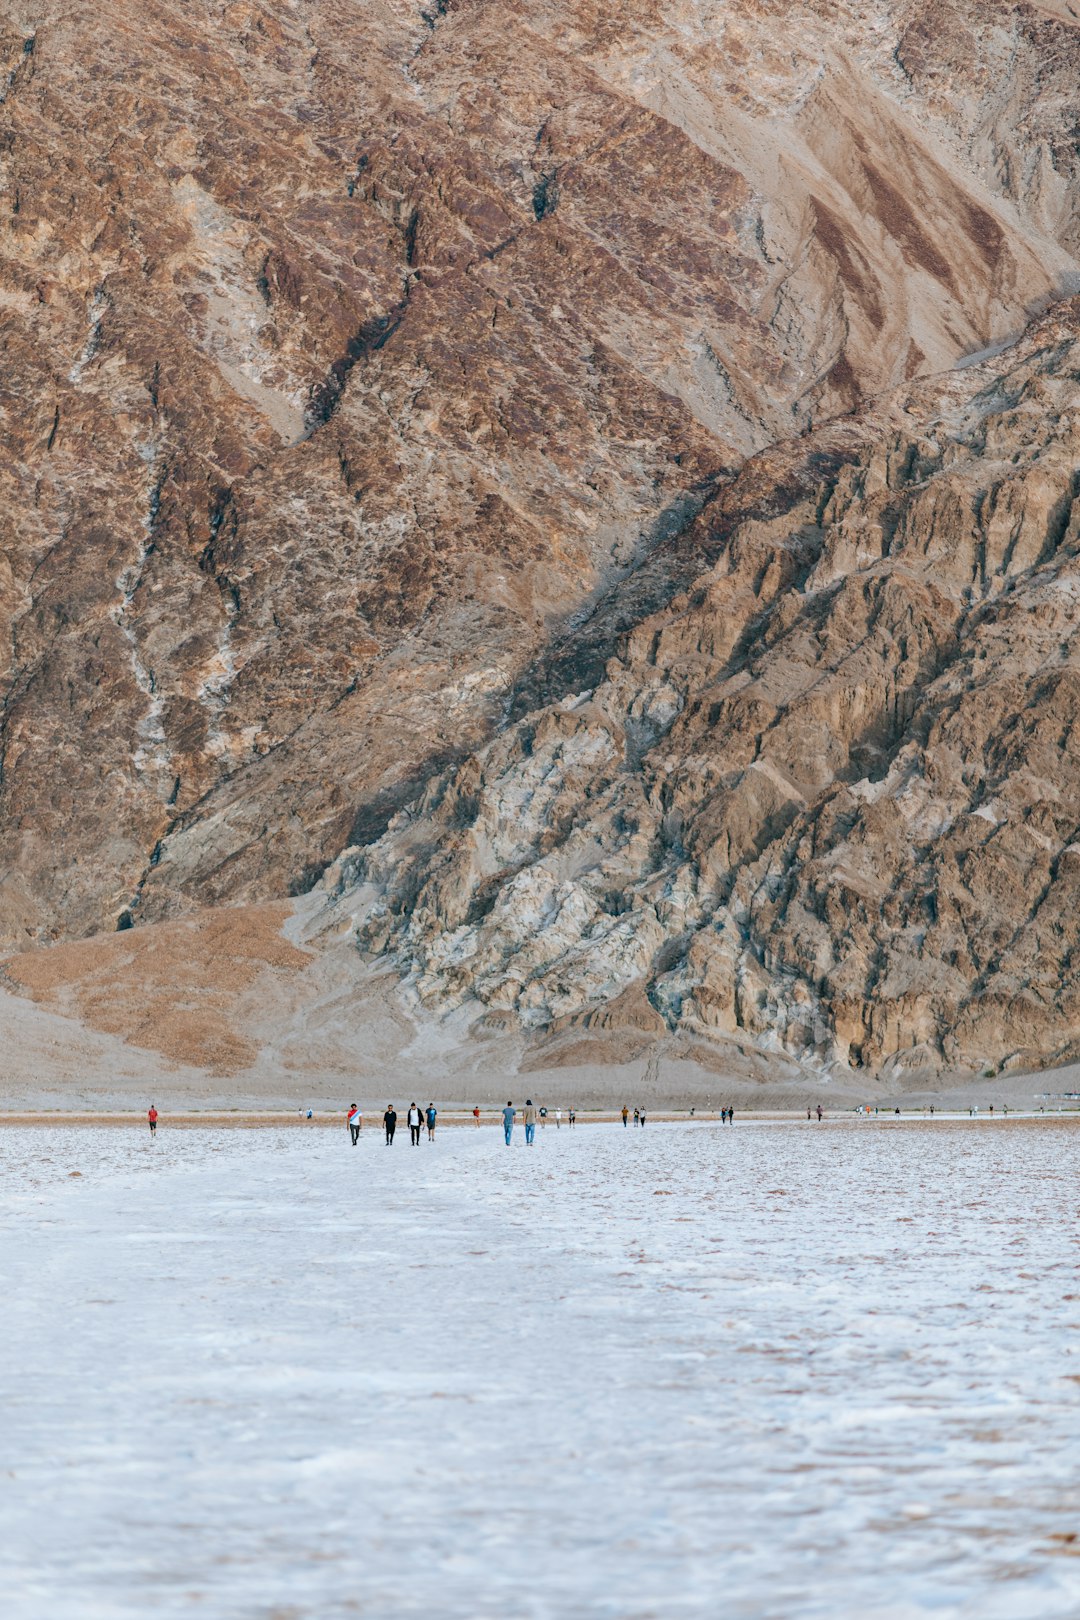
832 1372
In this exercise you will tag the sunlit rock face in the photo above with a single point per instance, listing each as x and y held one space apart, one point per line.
353 352
824 800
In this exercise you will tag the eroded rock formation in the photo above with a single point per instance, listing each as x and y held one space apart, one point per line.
827 799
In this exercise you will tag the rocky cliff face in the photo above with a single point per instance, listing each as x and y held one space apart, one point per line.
827 798
354 354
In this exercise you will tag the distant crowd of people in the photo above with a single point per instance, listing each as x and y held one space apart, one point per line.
418 1118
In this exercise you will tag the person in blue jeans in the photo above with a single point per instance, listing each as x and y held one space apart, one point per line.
530 1122
508 1122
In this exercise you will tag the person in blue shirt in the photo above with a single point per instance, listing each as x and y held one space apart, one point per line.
431 1116
508 1122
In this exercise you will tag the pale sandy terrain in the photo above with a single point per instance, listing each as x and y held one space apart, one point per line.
822 1371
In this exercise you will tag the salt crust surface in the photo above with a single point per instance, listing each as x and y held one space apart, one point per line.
772 1372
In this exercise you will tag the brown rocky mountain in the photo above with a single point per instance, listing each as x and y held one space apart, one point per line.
381 380
827 799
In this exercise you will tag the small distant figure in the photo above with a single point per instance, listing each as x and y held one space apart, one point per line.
691 1112
1005 1108
558 1119
543 1118
808 1113
389 1120
571 1116
431 1116
354 1120
151 1119
626 1115
508 1122
991 1108
932 1109
642 1120
476 1115
896 1110
637 1116
416 1120
820 1112
530 1122
309 1115
731 1116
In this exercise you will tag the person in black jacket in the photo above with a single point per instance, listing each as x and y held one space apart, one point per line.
389 1119
416 1119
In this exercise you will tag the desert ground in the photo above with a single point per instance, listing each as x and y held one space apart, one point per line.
773 1371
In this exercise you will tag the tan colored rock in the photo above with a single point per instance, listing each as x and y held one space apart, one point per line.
828 799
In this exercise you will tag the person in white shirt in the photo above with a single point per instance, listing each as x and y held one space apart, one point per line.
416 1119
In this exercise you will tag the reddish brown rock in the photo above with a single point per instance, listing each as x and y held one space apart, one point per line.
351 352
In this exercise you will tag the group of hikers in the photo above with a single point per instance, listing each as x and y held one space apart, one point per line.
529 1116
417 1118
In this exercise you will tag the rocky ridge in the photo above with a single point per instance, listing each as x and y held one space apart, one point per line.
352 353
827 799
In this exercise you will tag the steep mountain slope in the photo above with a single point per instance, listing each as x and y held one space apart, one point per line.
353 352
827 799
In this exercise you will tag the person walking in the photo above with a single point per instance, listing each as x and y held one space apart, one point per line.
416 1120
431 1116
476 1115
151 1119
731 1116
508 1122
570 1118
637 1116
820 1111
543 1118
353 1120
530 1122
558 1119
625 1115
389 1120
643 1119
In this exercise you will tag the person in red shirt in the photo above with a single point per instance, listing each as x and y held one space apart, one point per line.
152 1118
476 1114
